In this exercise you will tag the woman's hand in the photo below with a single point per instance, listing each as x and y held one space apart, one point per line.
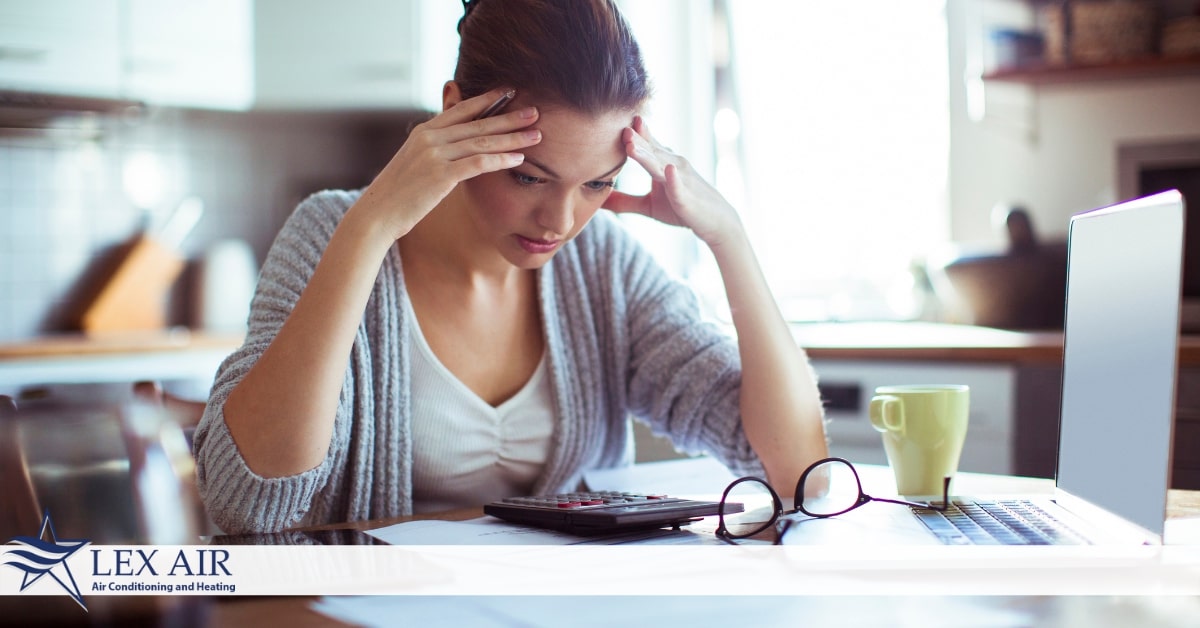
780 405
438 154
678 195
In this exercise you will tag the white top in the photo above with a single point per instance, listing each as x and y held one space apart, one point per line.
467 452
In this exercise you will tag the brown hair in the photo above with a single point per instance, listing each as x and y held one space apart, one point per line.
580 53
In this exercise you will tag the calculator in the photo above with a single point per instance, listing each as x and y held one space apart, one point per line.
598 512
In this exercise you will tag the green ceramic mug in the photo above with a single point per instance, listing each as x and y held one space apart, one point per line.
923 429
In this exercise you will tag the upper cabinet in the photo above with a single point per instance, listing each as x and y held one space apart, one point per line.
195 53
60 46
358 54
233 54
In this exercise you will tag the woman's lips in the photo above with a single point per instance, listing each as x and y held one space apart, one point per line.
537 247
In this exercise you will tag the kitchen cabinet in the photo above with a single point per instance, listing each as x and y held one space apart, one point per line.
357 54
60 46
1018 376
189 53
233 54
192 53
852 359
847 387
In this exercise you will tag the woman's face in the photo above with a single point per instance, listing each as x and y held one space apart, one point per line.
529 212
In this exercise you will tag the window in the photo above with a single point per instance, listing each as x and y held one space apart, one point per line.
831 122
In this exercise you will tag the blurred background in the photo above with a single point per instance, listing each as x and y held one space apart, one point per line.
865 143
910 162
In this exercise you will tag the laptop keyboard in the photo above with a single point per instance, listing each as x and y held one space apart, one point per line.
1001 522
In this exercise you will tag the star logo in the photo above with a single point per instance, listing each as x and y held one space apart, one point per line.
37 557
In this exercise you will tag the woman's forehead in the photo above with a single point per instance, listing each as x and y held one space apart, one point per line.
579 145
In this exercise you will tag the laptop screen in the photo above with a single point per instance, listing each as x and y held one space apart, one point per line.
1121 332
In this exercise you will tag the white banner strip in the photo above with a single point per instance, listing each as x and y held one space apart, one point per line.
598 570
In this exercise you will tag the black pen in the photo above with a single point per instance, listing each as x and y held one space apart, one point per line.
497 106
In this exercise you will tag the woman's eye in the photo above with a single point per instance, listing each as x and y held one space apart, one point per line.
525 179
597 186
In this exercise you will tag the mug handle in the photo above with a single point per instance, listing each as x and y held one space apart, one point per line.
887 414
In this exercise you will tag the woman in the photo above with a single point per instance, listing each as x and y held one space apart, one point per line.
469 327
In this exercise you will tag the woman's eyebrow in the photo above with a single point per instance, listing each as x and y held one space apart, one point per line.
554 175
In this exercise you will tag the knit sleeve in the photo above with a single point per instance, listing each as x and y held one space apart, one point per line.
237 499
684 375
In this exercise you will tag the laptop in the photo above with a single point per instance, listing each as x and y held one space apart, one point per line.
1124 271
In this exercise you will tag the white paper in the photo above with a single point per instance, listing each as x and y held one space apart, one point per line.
671 611
488 530
691 478
1182 531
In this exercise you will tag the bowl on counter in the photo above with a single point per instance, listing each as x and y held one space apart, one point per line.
1021 286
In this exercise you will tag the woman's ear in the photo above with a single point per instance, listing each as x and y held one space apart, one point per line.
451 95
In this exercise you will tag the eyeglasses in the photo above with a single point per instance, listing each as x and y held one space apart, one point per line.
812 498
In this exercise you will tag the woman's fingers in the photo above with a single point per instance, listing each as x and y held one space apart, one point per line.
478 164
653 156
639 125
482 144
502 123
641 152
466 110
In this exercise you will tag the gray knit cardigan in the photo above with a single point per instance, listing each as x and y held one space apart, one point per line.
623 340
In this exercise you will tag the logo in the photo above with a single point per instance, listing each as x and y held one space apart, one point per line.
38 557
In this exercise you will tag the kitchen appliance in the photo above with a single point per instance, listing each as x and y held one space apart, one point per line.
225 286
1020 287
1147 168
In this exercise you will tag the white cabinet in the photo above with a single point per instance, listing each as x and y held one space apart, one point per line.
191 53
233 54
60 46
847 387
355 54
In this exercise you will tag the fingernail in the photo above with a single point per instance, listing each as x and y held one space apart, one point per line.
532 134
528 112
516 158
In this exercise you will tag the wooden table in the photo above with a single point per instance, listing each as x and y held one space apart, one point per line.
297 611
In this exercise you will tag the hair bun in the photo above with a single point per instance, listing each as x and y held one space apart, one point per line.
468 6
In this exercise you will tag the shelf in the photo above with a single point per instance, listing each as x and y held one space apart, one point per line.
1156 67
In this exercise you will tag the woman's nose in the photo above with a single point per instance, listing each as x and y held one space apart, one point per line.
558 216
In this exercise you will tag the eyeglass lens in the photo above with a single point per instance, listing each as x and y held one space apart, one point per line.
829 487
748 507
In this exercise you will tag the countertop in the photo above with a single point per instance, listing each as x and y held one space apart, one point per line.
80 344
858 340
926 341
177 355
944 342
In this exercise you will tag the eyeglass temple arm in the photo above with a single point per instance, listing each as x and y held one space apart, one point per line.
945 495
945 505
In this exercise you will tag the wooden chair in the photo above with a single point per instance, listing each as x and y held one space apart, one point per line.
187 413
20 512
